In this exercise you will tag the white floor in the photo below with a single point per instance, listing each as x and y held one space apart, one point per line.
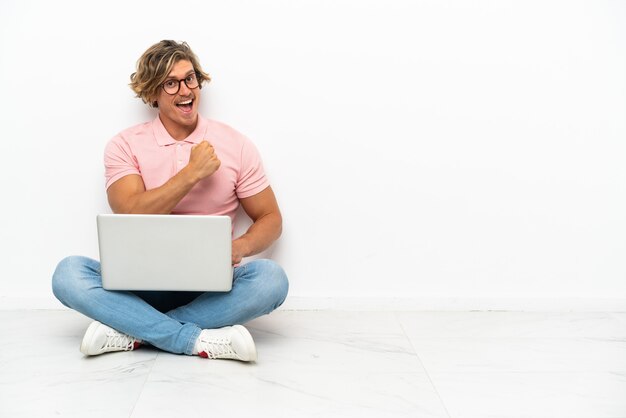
331 364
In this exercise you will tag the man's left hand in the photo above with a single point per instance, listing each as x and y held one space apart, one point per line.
238 251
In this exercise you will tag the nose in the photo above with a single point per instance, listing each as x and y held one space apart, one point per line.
183 90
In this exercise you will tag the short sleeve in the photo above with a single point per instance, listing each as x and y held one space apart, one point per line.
119 161
252 178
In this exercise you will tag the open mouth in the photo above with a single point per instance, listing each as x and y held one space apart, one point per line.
185 106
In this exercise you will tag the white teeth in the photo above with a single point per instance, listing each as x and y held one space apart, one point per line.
187 102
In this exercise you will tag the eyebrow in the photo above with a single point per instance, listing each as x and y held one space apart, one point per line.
174 78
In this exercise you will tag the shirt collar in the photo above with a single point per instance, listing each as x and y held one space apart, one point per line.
163 138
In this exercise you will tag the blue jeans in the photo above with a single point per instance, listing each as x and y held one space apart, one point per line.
170 321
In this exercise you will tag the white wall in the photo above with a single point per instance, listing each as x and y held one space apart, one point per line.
453 154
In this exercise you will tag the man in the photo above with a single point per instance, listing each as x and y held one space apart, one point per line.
180 163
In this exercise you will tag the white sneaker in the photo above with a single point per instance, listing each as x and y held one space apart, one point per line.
100 338
234 343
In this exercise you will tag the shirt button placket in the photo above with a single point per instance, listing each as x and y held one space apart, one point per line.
179 157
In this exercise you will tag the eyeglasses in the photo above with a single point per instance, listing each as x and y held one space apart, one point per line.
172 87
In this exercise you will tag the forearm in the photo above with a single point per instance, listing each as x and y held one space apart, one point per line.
161 200
129 195
260 235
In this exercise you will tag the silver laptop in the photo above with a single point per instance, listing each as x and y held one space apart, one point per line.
165 252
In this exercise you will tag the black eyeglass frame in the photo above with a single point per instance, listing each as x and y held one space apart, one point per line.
179 81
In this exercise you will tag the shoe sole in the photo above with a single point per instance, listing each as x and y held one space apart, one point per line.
248 341
84 345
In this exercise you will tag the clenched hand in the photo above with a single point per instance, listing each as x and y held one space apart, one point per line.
203 161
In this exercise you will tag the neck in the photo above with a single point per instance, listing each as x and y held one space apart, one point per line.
178 131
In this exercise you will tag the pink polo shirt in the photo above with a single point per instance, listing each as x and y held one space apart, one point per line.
149 150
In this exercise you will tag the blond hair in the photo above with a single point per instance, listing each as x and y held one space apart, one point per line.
156 63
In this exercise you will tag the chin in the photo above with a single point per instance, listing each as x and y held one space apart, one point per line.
189 120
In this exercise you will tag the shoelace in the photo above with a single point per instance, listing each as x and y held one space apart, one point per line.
215 348
118 341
